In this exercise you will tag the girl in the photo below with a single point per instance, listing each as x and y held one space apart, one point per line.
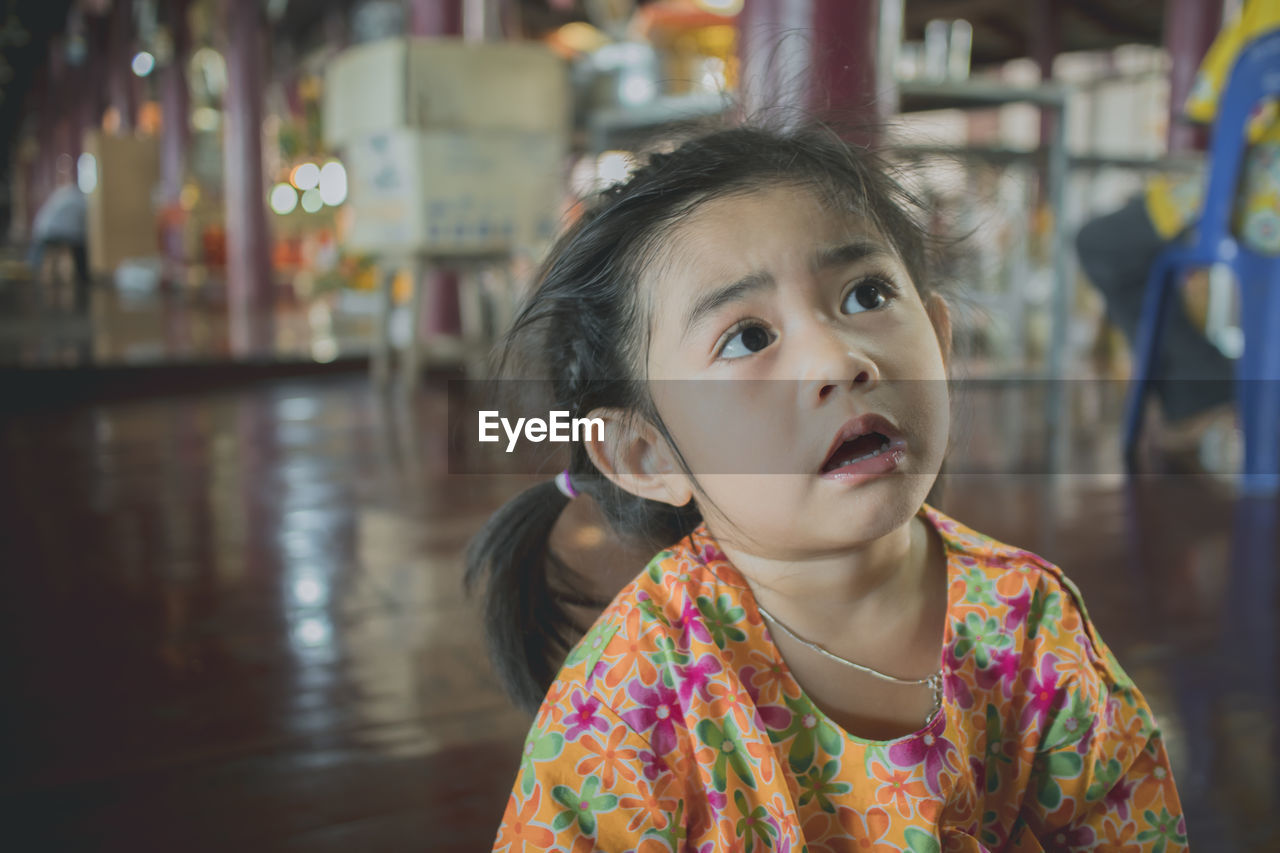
817 659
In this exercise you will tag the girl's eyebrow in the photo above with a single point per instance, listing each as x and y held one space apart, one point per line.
709 303
849 253
838 256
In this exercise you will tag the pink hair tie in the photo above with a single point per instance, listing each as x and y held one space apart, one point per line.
565 485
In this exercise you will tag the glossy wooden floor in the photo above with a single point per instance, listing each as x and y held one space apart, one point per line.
233 621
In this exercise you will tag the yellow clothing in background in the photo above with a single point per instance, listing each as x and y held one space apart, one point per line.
1173 202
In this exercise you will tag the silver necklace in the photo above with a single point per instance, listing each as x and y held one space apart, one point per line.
933 682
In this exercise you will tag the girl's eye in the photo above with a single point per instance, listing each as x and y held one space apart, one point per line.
747 340
868 295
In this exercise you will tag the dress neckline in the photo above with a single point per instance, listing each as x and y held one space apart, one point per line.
708 554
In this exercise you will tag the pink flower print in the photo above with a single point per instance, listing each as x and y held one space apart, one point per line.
651 765
659 708
954 687
598 670
709 554
584 716
771 716
1118 797
1019 607
690 622
929 749
1043 692
1003 671
718 802
1080 838
696 677
978 768
1086 741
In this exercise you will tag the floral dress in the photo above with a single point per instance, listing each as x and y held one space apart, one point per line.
675 725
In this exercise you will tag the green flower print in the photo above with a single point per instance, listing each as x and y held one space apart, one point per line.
668 652
1046 610
980 637
581 806
817 785
1070 725
654 568
978 587
538 746
1105 777
1048 769
593 643
809 731
754 825
919 841
675 832
652 612
990 827
1164 828
719 617
995 753
730 751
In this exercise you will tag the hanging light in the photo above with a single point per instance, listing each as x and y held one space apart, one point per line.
284 199
311 201
305 176
333 183
143 63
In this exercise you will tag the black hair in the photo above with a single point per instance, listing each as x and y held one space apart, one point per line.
584 327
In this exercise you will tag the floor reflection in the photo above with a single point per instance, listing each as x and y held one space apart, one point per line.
235 621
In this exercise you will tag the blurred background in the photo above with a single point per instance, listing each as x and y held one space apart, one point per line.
247 243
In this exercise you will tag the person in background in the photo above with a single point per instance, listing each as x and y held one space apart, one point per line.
1195 380
61 222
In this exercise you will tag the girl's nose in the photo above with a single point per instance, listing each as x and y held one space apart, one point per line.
833 360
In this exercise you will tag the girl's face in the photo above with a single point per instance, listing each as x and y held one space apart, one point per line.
802 328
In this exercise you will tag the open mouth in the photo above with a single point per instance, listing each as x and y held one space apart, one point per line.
863 447
867 444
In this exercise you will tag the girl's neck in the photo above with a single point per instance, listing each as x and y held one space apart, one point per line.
829 588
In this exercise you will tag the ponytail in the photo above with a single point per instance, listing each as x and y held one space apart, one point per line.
529 633
529 589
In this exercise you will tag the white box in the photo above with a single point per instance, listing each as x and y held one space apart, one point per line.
445 84
121 215
449 192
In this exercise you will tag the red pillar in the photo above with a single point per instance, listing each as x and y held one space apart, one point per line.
249 289
435 18
1189 28
121 91
817 56
176 130
63 94
1046 43
93 93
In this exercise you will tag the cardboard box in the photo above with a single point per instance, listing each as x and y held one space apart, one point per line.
444 84
448 192
121 213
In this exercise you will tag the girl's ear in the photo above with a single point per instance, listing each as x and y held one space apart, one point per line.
637 459
940 315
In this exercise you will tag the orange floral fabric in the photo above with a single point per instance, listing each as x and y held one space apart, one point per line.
675 725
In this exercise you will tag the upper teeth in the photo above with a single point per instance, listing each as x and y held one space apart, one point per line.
884 445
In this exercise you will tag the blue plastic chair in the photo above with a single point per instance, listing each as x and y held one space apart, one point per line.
1254 78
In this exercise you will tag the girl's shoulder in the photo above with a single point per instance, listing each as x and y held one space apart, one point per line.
649 624
1028 598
